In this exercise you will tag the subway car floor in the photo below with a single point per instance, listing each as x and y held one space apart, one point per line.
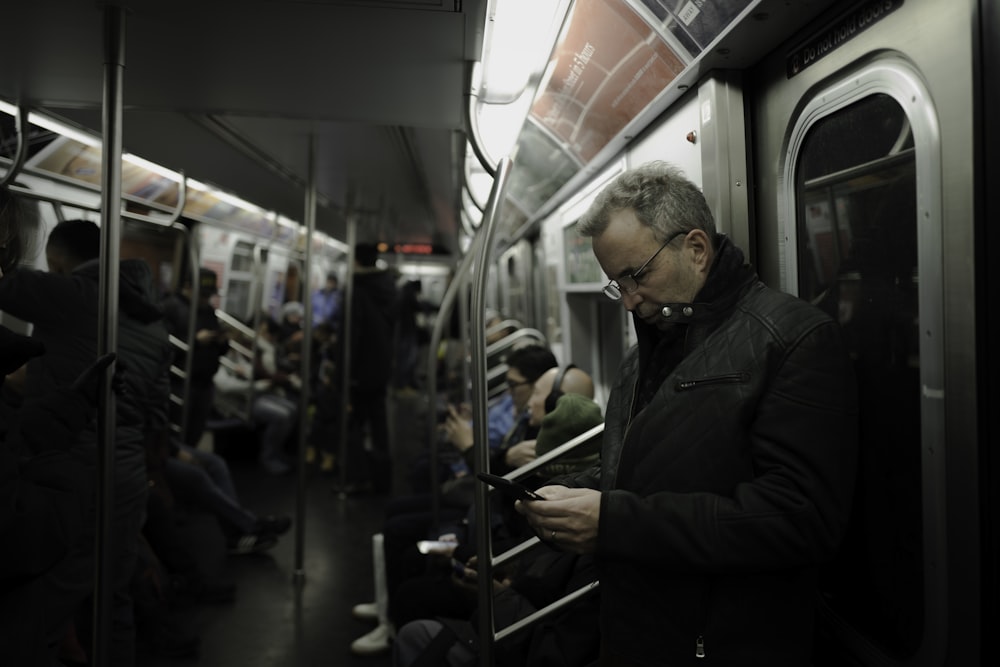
276 620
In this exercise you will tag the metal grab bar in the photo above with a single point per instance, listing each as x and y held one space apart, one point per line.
443 317
547 610
20 122
479 404
567 446
532 542
513 338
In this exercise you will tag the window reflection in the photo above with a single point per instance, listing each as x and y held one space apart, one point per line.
857 259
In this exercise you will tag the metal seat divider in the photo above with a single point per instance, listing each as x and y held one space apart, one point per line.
532 542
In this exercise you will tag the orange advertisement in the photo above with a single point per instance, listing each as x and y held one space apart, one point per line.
608 66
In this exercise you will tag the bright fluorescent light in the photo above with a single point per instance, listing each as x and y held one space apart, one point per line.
414 269
54 126
518 42
519 38
287 222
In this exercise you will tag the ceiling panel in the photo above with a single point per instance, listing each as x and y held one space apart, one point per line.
234 92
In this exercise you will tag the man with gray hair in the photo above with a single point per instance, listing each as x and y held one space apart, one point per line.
730 443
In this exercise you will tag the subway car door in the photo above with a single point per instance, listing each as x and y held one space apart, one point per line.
860 139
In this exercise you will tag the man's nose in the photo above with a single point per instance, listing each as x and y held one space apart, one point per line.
631 301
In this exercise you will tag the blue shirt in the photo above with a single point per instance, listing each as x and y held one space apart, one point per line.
500 419
326 306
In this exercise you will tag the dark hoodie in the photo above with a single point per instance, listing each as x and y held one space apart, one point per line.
64 311
372 328
44 497
46 510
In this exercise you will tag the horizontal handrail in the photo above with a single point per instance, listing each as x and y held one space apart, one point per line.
178 343
547 610
567 446
233 322
506 324
514 338
558 451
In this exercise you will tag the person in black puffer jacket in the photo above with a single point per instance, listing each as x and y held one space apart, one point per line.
63 306
728 459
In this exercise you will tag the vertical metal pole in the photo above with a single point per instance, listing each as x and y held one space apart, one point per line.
194 267
480 431
107 325
465 331
305 369
457 286
345 347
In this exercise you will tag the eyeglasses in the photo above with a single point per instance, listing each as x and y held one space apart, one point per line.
629 283
513 384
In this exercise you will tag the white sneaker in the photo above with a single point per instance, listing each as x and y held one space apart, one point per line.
366 611
376 641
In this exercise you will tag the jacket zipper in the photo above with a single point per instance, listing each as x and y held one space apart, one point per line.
728 378
699 647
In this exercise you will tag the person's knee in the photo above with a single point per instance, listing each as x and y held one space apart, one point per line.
411 641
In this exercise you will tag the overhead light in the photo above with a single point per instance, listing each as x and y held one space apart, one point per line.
287 222
517 44
54 126
427 269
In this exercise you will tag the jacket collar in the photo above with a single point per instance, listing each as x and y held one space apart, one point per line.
726 282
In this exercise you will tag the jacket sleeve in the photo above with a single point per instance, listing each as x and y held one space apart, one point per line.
41 297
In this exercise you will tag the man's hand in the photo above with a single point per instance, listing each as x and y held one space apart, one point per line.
458 429
520 454
567 518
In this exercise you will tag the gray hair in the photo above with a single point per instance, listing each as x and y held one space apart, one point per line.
662 198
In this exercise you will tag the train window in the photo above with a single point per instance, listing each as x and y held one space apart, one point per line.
239 287
243 256
856 219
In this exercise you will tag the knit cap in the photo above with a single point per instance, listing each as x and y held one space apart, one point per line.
574 414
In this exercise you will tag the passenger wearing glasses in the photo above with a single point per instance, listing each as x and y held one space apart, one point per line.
730 442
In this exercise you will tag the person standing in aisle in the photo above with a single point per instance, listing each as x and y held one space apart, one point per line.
63 305
373 323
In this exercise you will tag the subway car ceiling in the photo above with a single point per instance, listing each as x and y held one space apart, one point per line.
230 93
235 94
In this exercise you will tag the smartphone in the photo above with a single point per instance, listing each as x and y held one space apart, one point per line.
511 488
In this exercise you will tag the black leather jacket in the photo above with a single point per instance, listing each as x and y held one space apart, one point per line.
723 494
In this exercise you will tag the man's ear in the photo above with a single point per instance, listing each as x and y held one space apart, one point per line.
700 246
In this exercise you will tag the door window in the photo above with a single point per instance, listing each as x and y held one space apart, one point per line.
857 258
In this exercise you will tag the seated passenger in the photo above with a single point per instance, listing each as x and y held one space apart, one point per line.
267 383
410 595
549 387
540 577
202 480
210 342
407 522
